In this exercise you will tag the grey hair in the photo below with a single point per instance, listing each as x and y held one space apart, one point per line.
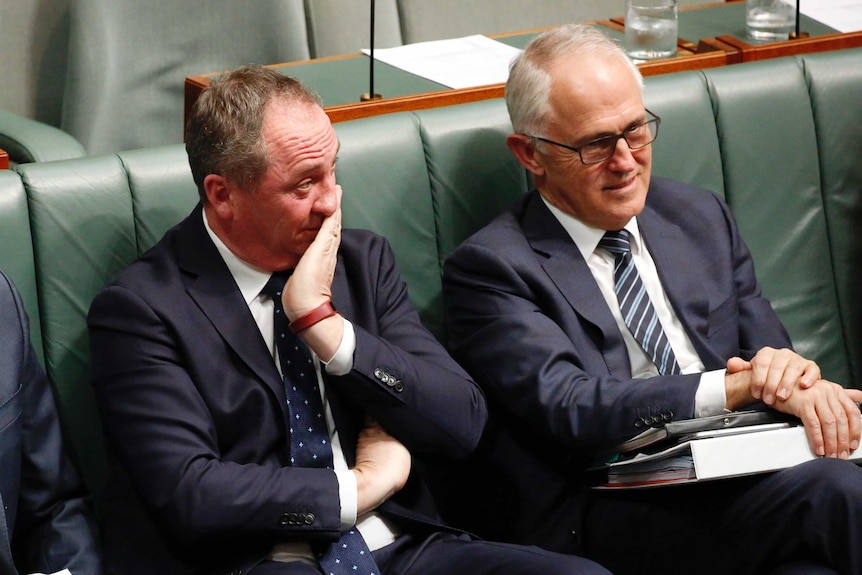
529 84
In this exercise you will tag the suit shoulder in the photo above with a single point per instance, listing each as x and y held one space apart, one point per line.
505 228
362 243
666 190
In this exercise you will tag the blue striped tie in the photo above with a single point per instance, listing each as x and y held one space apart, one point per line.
309 436
635 305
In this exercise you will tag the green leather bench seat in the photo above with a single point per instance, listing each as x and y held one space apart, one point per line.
781 140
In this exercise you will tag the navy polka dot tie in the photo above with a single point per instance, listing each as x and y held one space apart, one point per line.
309 436
635 305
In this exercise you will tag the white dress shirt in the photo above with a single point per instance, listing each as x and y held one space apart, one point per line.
710 397
250 280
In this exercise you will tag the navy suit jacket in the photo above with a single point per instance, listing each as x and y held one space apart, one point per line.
46 525
192 407
528 321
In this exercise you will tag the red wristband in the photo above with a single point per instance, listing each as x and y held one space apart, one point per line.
319 313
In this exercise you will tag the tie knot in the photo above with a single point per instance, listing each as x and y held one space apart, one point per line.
275 285
616 242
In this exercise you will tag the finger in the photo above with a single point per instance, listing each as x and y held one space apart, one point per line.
829 426
854 394
842 423
793 372
810 376
775 375
760 366
854 419
813 430
737 364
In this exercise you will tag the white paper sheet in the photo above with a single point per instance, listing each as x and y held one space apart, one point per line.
843 15
457 63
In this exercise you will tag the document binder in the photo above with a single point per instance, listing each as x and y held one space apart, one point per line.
710 453
685 428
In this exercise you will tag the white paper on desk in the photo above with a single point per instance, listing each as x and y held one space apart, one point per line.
843 15
63 572
458 63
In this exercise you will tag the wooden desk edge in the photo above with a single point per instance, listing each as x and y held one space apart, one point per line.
352 111
793 47
708 53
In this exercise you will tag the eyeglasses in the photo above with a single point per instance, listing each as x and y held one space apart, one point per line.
637 137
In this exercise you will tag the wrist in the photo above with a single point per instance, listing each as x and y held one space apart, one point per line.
737 389
316 315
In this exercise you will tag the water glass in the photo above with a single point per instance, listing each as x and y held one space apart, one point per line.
651 29
769 20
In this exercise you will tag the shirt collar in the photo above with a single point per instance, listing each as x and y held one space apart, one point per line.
249 279
587 238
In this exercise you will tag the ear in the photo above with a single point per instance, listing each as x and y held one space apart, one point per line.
524 149
218 192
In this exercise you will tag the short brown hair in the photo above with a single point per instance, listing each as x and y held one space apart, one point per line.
223 133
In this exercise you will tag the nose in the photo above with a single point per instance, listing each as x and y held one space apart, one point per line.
623 158
327 196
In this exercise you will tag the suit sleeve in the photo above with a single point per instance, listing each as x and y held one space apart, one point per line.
401 374
190 430
54 528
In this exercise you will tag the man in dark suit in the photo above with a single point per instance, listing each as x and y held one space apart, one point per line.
46 525
212 472
538 303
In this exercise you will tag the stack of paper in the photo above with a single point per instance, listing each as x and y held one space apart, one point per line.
457 63
718 454
843 15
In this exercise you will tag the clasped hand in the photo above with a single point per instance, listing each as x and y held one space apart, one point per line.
792 384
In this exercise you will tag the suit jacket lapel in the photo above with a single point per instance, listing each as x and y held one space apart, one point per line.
679 274
565 266
213 289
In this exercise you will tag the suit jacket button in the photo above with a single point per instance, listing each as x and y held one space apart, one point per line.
399 387
309 518
285 518
380 374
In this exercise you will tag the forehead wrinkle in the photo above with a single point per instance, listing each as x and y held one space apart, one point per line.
298 145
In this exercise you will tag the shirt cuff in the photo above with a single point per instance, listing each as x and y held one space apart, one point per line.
342 362
711 397
348 492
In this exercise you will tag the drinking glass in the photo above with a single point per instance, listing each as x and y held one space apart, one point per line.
651 28
769 19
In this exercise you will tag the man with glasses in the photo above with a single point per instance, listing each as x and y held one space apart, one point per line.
571 310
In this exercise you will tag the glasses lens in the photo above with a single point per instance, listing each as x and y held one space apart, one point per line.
640 136
598 151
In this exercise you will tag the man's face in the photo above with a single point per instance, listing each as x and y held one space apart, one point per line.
590 98
272 226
